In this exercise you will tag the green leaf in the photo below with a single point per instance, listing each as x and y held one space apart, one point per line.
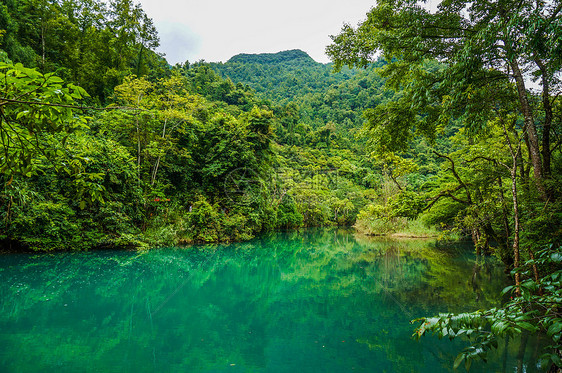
527 326
459 360
22 113
556 360
507 289
467 364
556 257
54 79
499 327
554 328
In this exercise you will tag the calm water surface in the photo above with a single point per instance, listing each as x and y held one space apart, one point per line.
309 301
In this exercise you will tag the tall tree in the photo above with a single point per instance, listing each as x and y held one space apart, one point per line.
479 43
133 32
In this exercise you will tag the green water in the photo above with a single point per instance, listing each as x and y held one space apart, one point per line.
310 301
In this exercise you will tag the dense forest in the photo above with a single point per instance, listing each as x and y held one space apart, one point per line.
426 123
471 65
141 153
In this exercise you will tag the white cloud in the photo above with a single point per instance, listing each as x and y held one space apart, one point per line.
178 42
215 30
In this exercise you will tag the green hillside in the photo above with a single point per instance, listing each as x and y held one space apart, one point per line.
318 94
286 57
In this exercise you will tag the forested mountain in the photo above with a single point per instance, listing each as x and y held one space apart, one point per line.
285 58
313 89
328 111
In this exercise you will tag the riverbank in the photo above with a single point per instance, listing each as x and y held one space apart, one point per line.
398 228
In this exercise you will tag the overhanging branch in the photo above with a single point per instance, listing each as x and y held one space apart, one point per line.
4 101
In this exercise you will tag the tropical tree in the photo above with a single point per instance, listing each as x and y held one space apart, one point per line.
37 112
479 43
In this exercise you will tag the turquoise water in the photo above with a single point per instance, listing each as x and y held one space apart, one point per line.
309 301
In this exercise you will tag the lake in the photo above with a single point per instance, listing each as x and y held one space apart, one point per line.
317 300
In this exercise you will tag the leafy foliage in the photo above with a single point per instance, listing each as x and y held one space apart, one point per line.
538 309
36 114
92 43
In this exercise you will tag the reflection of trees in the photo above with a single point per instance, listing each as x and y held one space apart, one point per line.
322 295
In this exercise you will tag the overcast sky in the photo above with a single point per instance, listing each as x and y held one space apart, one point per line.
215 30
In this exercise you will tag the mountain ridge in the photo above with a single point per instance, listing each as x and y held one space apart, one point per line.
272 58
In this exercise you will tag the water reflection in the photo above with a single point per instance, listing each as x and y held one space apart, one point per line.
309 301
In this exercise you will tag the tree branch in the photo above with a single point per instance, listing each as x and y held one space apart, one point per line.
456 175
495 161
4 101
446 193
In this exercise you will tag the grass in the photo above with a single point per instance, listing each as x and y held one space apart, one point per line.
417 229
397 227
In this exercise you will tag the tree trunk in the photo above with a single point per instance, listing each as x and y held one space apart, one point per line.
43 48
504 213
515 154
159 156
530 129
139 60
516 228
475 234
547 118
138 149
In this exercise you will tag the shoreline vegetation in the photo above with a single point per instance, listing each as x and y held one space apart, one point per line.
399 228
